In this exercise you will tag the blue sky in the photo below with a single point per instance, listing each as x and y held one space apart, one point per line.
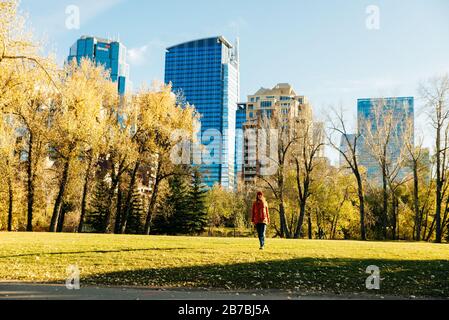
322 47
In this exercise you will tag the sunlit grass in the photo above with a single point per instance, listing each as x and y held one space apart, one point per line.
419 269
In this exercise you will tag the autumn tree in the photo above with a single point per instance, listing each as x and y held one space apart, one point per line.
305 155
348 151
76 123
382 134
121 154
171 125
436 96
25 77
8 163
416 156
143 136
31 112
281 138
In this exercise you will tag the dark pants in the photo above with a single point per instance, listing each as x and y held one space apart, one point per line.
261 229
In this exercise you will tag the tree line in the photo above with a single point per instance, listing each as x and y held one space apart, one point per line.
406 199
75 156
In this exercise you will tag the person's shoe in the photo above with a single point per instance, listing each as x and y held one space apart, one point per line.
261 248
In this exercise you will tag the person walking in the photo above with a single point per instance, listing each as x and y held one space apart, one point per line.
261 217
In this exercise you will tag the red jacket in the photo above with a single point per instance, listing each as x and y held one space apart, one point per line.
260 213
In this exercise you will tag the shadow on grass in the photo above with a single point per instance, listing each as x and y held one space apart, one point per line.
90 251
306 275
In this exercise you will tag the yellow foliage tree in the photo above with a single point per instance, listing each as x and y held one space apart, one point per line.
77 123
158 116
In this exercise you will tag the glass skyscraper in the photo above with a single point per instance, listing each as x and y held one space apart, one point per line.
239 141
402 111
110 54
206 73
345 148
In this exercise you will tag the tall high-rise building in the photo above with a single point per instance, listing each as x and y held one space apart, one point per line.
206 73
372 113
282 98
108 53
239 140
288 105
319 138
345 148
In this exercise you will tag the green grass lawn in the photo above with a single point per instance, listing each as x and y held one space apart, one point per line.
418 269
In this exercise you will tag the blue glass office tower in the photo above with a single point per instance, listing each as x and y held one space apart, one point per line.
110 54
402 111
239 141
206 72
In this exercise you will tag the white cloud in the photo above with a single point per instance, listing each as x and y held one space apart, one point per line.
144 54
136 56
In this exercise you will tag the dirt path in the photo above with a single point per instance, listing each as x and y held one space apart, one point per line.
25 291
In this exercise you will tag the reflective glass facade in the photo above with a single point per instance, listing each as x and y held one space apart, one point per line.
206 72
345 148
239 141
110 54
402 109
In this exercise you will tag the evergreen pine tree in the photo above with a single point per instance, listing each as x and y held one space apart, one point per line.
134 224
161 221
196 205
95 216
177 199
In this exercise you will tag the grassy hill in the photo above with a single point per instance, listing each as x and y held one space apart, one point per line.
419 269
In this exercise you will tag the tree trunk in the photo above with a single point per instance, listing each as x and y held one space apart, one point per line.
334 225
439 183
30 185
303 194
309 220
438 236
418 217
285 233
85 193
127 209
302 214
394 217
118 209
320 233
108 216
61 219
385 203
429 235
151 208
426 223
445 217
10 203
58 202
115 179
362 206
336 218
398 221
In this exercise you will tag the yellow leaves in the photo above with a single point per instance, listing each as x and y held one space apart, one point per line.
157 116
87 89
12 32
85 95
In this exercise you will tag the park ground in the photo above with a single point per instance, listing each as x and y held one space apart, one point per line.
186 265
